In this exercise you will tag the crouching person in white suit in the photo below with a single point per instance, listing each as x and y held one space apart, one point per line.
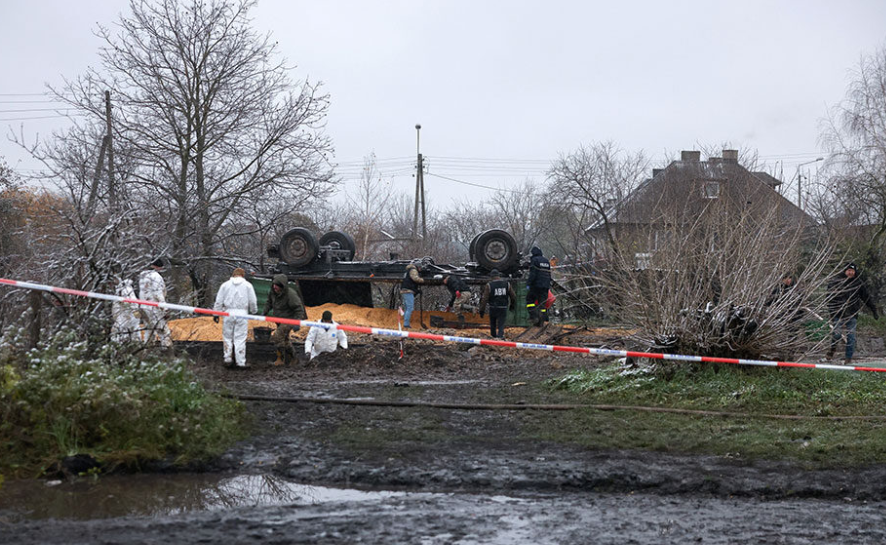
235 296
321 339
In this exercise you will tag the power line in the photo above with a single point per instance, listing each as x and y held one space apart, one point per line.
488 160
478 185
791 156
32 102
362 162
60 116
26 110
501 169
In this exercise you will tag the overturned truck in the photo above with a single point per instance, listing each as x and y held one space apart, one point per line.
326 272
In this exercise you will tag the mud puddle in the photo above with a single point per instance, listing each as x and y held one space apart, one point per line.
164 495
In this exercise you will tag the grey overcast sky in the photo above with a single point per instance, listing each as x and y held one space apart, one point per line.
501 88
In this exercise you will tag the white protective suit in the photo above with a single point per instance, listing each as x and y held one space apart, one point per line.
235 296
151 287
126 326
325 340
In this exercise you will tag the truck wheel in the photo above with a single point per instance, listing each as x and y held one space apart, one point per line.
298 247
496 249
472 249
340 241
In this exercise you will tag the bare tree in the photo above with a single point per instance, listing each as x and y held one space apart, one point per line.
594 178
855 135
368 205
467 219
521 212
713 284
565 233
209 117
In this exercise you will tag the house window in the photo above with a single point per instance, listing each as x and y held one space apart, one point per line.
661 239
711 190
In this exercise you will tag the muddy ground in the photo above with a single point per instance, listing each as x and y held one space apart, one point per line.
470 474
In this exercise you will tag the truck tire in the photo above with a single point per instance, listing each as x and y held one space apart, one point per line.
340 241
472 249
299 247
496 249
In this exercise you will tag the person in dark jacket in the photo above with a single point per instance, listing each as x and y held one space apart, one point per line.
847 293
409 287
537 286
782 290
284 302
499 295
459 295
785 300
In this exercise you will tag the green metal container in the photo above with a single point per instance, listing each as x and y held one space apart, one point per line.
519 317
262 287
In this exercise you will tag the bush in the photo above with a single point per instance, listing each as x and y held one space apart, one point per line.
116 403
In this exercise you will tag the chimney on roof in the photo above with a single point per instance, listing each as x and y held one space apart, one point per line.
730 155
690 156
656 172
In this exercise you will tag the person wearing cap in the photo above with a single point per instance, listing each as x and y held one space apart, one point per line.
284 302
499 295
235 296
409 287
847 293
325 339
152 287
537 286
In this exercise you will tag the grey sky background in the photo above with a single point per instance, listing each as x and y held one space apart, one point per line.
502 88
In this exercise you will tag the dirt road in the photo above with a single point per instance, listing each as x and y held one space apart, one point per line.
472 476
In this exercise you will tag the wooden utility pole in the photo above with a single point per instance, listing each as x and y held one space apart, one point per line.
107 147
419 191
96 176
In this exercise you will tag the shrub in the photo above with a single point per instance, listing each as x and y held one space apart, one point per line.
116 403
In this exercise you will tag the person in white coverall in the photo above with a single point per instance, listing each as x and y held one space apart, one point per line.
126 325
235 296
321 339
151 287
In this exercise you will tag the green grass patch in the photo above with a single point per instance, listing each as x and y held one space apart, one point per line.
753 392
115 403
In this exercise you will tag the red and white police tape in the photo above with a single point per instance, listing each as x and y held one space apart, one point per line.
443 338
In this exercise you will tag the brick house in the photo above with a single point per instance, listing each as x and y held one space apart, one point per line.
719 189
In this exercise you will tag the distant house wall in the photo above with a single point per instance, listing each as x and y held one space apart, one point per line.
690 189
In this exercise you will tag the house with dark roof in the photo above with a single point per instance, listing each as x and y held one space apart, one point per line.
687 191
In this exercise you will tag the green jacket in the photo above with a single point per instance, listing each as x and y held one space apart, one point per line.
286 305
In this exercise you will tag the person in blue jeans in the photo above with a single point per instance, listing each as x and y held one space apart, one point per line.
409 287
847 293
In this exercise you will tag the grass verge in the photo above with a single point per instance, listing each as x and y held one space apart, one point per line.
119 405
752 392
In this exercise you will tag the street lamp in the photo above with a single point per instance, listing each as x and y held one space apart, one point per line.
800 181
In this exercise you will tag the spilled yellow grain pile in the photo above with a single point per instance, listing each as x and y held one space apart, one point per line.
204 329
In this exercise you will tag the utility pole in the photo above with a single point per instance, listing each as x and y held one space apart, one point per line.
108 149
100 165
419 191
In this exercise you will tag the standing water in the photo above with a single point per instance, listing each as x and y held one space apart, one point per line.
161 495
